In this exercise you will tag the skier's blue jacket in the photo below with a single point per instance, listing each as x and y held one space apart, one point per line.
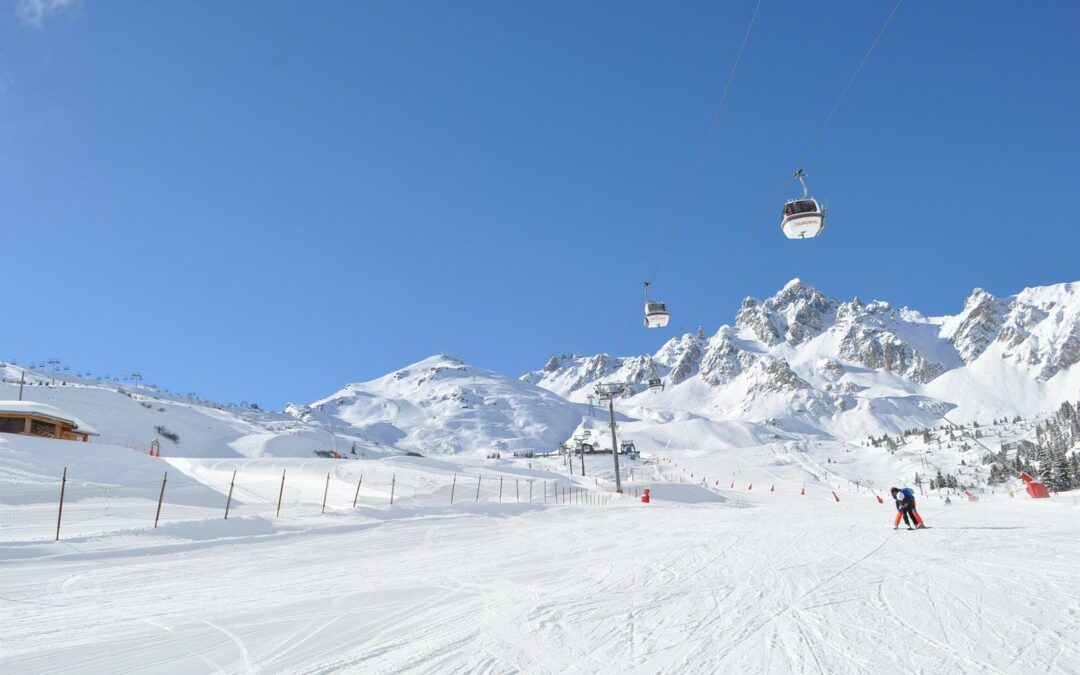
905 497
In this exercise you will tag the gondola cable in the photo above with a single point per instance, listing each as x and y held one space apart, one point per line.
802 160
696 167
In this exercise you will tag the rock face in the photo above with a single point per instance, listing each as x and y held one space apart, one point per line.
880 349
972 330
794 315
682 357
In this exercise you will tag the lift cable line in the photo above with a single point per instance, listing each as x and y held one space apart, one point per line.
695 170
802 160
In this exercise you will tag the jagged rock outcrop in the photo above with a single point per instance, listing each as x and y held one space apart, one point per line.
682 356
977 326
882 350
794 315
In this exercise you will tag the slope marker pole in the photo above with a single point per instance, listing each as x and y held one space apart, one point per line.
228 502
161 496
280 494
60 513
357 495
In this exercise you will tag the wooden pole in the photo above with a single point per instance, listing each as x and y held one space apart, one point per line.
326 491
357 495
453 486
228 501
161 497
530 491
517 490
500 488
393 484
478 478
280 494
60 513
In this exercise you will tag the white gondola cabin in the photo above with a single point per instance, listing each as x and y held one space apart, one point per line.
656 313
803 218
656 385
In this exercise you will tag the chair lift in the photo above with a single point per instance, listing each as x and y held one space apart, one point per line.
656 385
802 218
656 313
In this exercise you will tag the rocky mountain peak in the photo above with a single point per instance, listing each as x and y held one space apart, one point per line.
796 314
973 329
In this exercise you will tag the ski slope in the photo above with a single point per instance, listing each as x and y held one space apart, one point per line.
698 581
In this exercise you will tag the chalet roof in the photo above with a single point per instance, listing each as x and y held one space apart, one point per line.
46 410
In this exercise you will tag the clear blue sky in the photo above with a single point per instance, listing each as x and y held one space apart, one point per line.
266 200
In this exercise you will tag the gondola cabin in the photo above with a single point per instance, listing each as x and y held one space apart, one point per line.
656 315
656 385
802 219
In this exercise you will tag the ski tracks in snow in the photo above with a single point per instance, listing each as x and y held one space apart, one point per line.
785 585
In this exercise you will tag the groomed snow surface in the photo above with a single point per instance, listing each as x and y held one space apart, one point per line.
704 579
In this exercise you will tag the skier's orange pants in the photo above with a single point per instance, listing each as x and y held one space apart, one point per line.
900 515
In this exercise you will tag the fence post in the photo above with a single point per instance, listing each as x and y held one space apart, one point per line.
161 497
500 488
453 486
530 491
228 501
326 491
280 494
357 495
60 513
478 479
517 490
393 484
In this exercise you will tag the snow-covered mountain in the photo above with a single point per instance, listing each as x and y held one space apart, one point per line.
799 362
852 368
444 405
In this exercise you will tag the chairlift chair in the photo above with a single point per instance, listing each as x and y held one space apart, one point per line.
656 313
803 218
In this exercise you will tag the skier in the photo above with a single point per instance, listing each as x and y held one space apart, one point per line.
905 508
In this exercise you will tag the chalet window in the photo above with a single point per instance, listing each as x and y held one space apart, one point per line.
12 425
38 428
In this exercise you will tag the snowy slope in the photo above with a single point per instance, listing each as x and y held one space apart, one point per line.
783 584
185 427
443 405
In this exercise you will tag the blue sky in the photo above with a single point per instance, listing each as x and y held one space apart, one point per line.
265 201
